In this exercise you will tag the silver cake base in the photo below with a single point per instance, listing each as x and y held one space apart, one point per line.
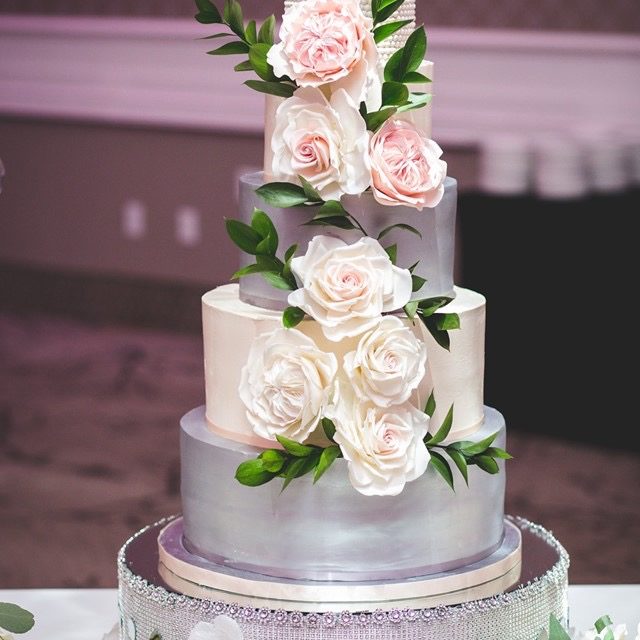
149 606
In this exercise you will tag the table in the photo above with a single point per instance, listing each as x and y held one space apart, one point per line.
87 614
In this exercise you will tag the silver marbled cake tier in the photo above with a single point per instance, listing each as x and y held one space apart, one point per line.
329 531
434 250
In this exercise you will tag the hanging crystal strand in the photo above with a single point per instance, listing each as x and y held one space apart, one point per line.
387 47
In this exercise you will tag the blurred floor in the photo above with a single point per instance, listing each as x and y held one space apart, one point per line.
89 454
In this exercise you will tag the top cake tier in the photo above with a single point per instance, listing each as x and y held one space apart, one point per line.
407 11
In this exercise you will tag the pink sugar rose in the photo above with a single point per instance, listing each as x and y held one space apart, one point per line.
405 166
329 42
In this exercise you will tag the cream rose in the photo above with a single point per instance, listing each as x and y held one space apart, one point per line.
388 363
286 384
223 628
384 449
346 288
325 142
405 166
329 42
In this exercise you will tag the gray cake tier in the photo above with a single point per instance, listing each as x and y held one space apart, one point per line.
329 531
434 251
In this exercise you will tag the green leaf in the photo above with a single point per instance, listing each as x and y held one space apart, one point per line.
253 474
277 280
392 70
412 268
230 49
439 463
290 252
270 263
273 460
244 66
243 235
441 337
385 9
602 623
329 428
384 31
556 632
429 306
268 30
233 17
444 429
416 101
460 462
430 407
327 458
331 208
258 58
15 619
341 222
399 225
299 467
155 636
497 452
282 194
207 13
392 252
249 270
262 224
292 316
394 93
217 35
414 51
479 447
295 448
447 321
415 77
282 89
487 464
376 119
411 308
417 283
251 32
310 191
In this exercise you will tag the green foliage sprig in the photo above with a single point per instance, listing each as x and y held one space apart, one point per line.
15 619
463 453
293 461
260 239
251 41
438 324
557 632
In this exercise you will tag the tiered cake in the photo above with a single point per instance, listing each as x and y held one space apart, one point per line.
344 479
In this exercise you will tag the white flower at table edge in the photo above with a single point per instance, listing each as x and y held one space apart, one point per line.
388 363
329 44
384 448
347 287
223 628
323 140
286 384
406 169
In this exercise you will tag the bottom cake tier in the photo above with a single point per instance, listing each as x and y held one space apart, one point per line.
154 603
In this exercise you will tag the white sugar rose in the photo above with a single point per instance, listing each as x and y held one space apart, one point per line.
324 142
223 628
346 288
388 363
384 449
329 42
405 166
286 384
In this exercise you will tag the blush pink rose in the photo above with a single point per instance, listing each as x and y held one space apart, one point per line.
327 42
405 166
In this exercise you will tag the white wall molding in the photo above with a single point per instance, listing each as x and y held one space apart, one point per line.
154 72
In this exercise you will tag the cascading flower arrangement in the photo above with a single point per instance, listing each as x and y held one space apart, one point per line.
340 130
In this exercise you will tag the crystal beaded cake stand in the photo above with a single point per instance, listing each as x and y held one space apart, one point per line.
148 605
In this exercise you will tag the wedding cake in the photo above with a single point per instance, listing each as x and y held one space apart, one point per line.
344 478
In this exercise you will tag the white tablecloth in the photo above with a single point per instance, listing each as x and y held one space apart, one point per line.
87 614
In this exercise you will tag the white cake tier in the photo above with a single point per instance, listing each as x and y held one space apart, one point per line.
433 250
421 118
328 531
230 326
